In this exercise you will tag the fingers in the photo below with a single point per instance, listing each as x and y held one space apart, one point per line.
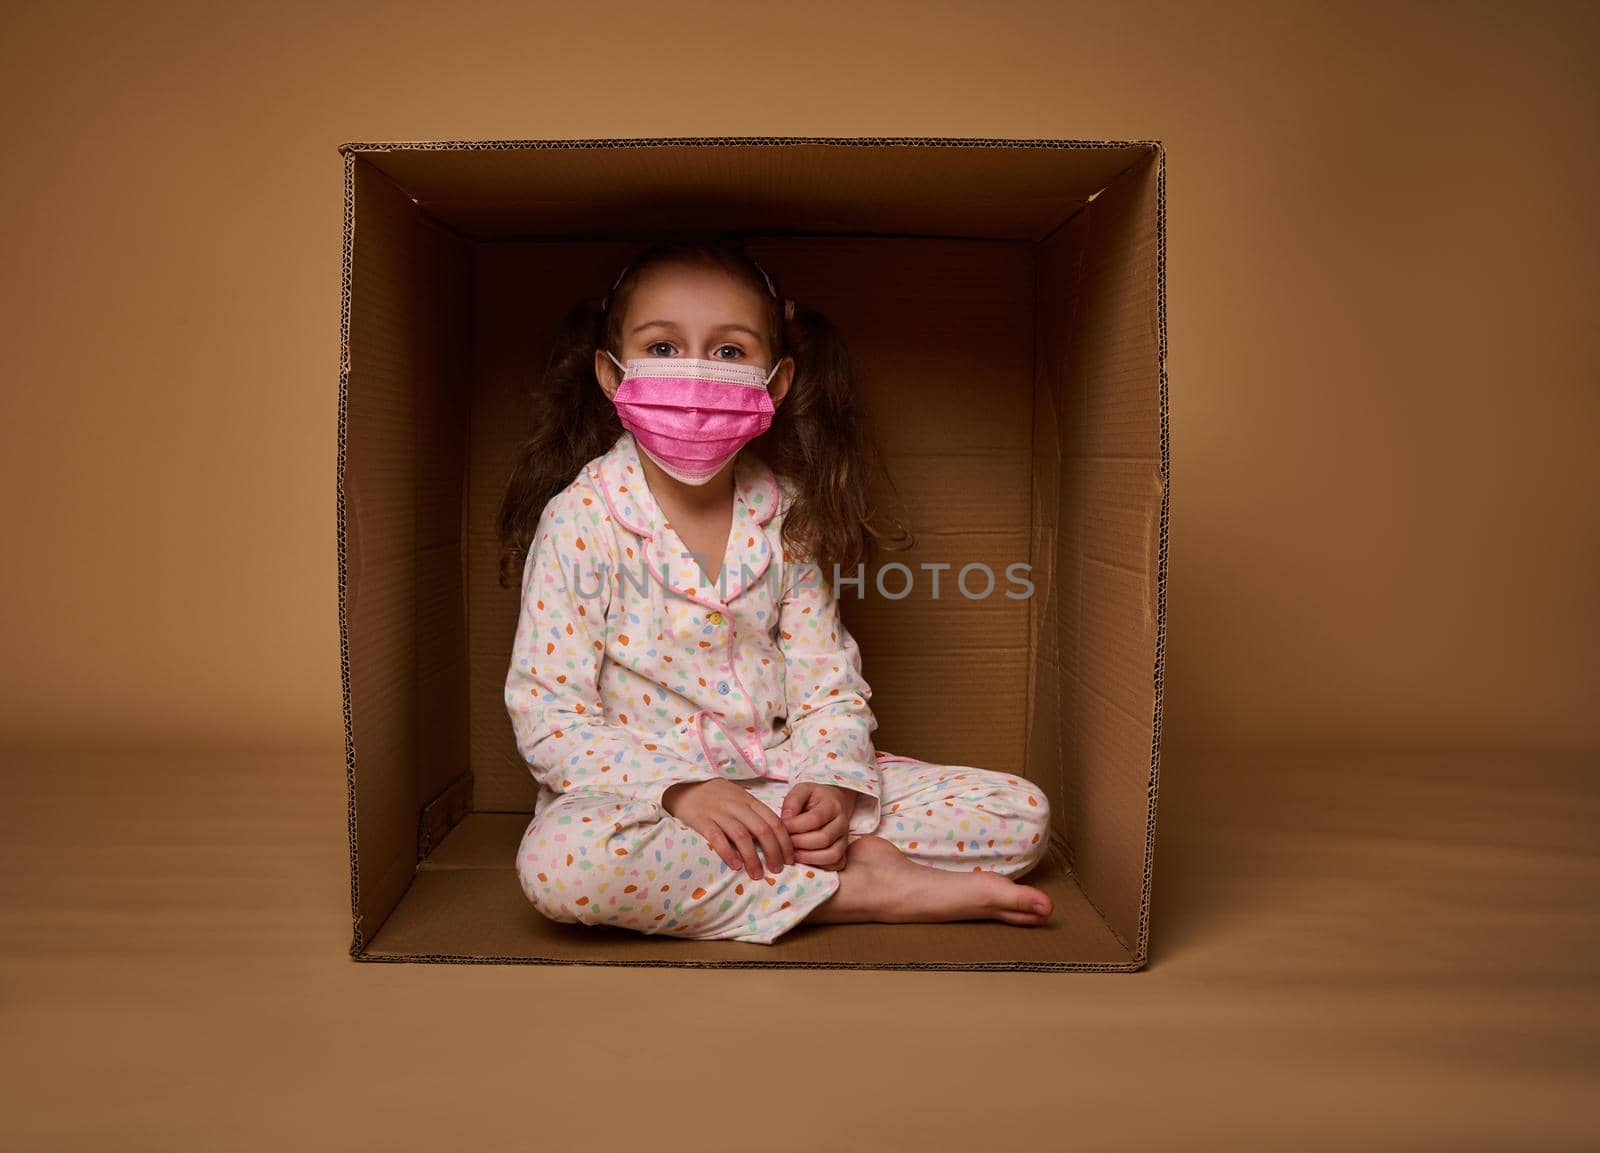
777 859
742 830
814 840
814 817
734 827
831 856
835 828
780 835
794 801
718 840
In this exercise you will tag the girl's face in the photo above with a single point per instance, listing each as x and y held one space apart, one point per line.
698 312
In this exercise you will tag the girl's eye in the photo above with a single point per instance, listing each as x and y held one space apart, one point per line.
650 349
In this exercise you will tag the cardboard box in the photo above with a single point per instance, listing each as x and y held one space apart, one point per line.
1004 303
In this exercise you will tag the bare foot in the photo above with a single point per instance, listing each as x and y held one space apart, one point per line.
880 883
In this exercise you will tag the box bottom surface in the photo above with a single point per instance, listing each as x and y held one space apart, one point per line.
465 906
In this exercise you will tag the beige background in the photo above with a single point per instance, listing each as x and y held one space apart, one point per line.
1376 861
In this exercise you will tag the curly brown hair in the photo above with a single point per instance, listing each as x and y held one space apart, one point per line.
820 441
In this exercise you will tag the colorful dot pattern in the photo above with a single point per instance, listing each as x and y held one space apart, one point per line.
631 672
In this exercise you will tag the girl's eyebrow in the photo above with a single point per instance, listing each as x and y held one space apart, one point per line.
638 328
744 328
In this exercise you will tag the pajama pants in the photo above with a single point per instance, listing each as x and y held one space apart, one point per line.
597 858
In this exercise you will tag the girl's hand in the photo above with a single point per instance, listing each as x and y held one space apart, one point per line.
817 817
733 822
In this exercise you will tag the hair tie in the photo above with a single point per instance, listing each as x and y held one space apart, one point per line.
788 310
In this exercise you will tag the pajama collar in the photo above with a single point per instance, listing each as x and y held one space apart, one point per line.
756 496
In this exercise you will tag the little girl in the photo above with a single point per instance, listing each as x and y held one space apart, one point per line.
681 685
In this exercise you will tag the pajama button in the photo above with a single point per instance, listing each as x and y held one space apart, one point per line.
722 687
715 618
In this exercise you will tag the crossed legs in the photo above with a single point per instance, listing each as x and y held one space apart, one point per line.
949 841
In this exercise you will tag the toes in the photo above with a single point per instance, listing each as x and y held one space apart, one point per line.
1029 901
1014 917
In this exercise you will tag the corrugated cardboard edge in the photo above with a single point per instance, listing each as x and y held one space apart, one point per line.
357 944
349 152
1143 953
673 141
977 966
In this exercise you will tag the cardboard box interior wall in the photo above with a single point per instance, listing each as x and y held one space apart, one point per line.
1004 304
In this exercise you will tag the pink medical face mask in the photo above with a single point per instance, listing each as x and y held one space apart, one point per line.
692 416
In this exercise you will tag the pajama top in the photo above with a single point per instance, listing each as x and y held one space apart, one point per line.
631 673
